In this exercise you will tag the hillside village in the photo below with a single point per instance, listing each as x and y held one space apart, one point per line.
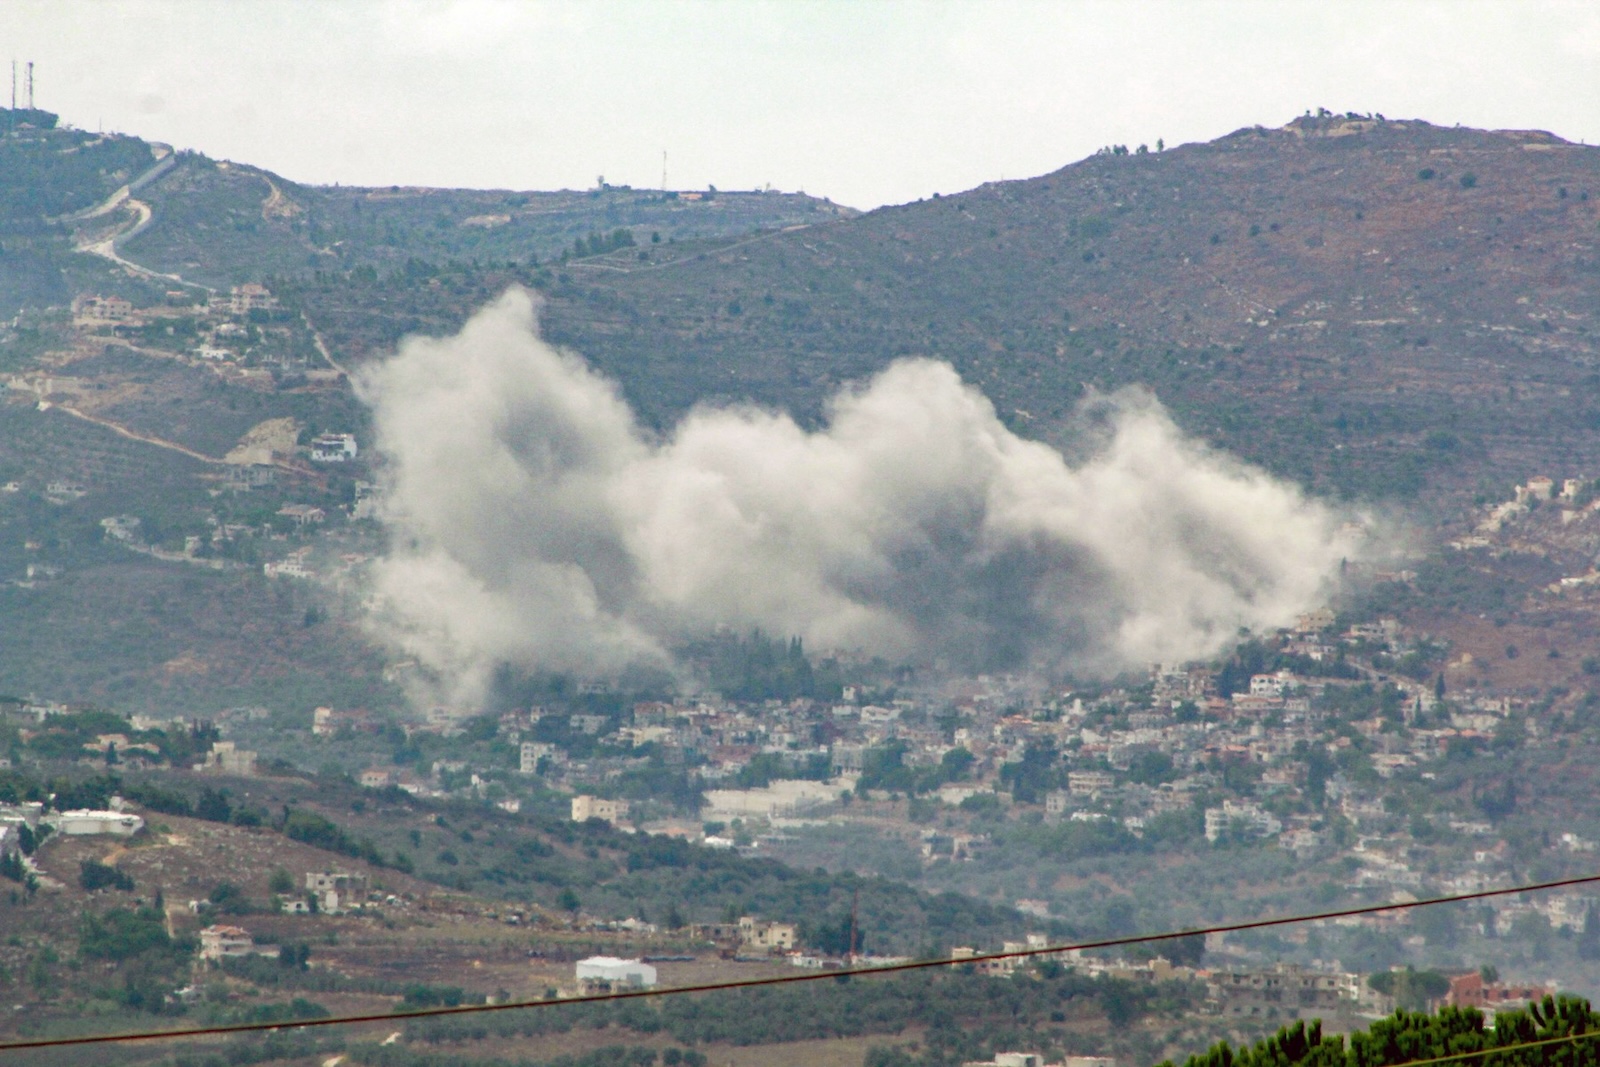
1315 742
1257 727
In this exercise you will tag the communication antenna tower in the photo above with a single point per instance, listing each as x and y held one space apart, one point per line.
30 85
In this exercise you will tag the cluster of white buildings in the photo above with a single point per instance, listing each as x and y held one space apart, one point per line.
77 822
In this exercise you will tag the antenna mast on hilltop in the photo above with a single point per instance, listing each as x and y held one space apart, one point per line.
30 85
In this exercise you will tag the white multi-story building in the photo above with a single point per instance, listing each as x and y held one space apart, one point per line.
334 448
1089 783
1255 821
532 752
221 942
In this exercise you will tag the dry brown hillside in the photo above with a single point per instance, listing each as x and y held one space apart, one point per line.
1369 306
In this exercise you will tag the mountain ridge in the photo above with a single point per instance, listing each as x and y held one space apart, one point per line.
1235 279
1244 280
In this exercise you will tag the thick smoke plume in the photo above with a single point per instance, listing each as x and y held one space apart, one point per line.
534 523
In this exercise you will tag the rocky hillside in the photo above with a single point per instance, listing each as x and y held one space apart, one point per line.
1372 307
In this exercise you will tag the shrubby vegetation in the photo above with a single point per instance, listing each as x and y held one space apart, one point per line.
884 768
966 1015
95 875
314 829
42 180
602 870
1408 1036
146 964
610 1056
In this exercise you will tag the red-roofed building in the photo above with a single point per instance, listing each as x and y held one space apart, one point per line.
219 942
1471 991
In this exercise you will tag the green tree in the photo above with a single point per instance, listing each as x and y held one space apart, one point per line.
1412 989
213 805
93 875
230 899
1408 1036
122 933
1185 951
11 866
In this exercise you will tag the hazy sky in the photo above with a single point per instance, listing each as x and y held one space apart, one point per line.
864 102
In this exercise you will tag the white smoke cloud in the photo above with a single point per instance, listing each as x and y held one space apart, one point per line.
534 523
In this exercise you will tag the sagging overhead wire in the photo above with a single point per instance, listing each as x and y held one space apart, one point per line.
817 976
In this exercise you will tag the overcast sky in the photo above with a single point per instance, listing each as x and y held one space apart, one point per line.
864 102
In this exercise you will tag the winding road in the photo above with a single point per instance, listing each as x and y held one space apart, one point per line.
106 247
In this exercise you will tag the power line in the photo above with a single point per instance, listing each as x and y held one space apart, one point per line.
1456 1057
817 976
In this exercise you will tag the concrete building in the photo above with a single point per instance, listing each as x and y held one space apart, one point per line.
1281 991
223 942
1471 991
587 807
1033 1059
847 758
226 757
322 723
336 891
1269 685
303 515
770 936
97 309
86 823
28 813
1250 817
243 299
956 795
334 448
608 974
784 798
532 752
326 722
